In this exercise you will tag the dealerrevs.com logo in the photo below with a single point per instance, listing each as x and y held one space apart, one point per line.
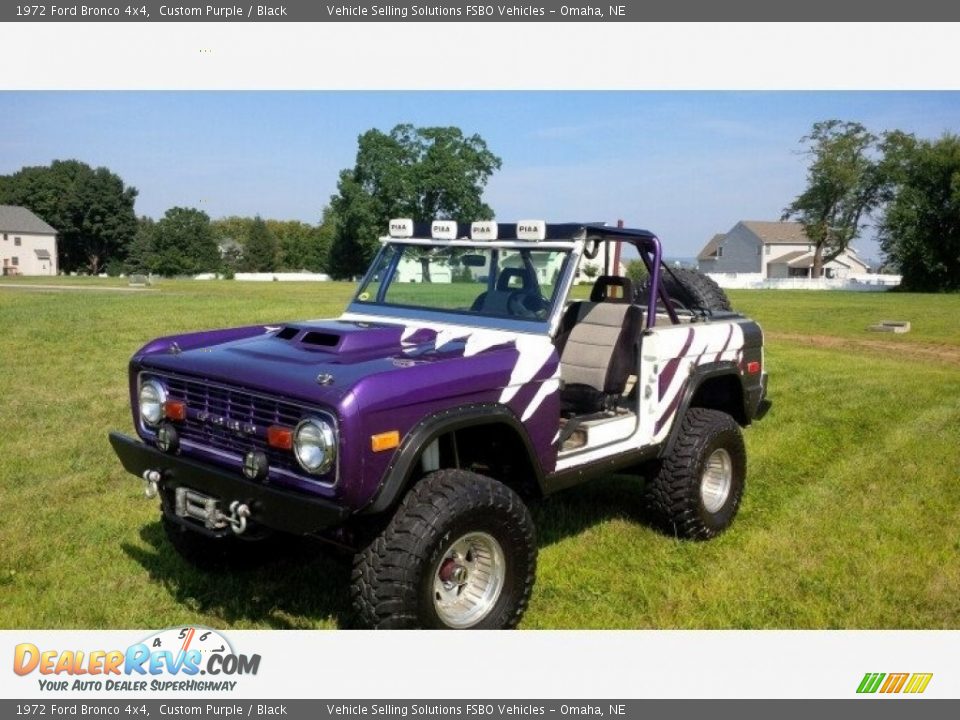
174 660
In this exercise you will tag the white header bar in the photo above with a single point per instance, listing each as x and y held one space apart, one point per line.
624 56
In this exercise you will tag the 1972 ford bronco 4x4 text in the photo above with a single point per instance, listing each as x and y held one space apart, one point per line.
461 383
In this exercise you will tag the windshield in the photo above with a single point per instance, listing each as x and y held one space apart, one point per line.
486 281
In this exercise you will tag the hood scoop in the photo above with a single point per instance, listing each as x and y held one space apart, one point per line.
323 339
343 337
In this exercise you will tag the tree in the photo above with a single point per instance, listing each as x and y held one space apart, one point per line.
637 271
299 245
326 233
141 253
233 228
260 251
419 173
920 230
91 209
230 234
844 183
183 243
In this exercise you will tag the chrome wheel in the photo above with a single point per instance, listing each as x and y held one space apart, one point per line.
467 579
716 481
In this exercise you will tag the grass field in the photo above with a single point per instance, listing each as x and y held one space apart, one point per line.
851 517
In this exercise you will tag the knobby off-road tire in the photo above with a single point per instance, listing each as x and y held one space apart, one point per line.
692 289
460 552
697 491
218 554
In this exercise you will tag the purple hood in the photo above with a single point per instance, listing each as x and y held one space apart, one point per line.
384 365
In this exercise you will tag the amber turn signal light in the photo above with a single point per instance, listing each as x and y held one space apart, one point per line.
384 441
175 410
280 437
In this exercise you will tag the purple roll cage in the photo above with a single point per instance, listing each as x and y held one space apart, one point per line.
651 254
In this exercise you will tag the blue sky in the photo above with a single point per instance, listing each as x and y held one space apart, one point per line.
683 164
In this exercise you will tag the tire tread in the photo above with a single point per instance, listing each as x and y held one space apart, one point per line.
672 497
384 581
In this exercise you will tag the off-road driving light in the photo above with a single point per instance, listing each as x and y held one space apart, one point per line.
152 397
444 229
167 438
401 228
314 444
483 230
255 465
534 230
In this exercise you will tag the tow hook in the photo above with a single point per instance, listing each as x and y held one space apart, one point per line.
151 483
239 512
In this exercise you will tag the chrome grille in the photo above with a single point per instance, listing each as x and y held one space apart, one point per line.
234 421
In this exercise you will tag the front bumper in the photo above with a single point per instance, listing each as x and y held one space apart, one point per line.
272 507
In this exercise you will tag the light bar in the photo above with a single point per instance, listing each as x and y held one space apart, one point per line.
401 228
531 230
483 230
443 229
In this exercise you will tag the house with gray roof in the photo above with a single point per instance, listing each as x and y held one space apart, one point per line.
773 249
28 245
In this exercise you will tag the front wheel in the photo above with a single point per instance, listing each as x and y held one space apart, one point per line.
697 490
459 553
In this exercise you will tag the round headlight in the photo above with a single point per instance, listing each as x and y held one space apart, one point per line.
314 444
152 397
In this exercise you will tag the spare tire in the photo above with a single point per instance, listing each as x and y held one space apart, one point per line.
692 290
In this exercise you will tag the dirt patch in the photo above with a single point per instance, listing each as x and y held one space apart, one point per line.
922 351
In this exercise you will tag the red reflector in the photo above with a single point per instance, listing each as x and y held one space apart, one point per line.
280 437
753 367
175 410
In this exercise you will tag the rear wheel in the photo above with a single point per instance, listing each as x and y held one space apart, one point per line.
459 553
697 490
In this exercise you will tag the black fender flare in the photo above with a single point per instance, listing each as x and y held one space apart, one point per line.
397 475
702 374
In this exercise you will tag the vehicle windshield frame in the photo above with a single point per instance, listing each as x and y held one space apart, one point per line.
381 308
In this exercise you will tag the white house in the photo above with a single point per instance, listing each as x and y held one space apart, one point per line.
774 249
28 246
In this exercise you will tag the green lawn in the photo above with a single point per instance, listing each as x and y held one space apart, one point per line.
851 517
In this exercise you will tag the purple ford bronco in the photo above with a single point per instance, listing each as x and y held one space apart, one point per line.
461 383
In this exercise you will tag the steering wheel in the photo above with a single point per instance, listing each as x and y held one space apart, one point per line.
527 304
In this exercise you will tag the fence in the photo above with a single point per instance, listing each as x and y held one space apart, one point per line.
270 277
854 283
